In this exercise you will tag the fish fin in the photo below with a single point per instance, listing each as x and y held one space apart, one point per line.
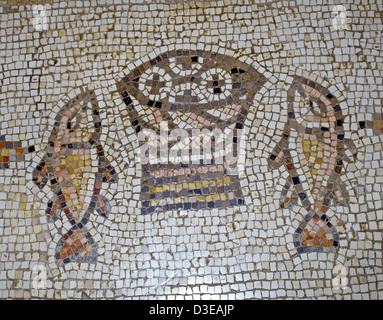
53 209
285 199
280 153
340 194
276 158
110 174
40 175
102 206
289 196
288 202
297 126
352 148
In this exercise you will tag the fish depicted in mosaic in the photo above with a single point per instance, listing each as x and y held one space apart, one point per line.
75 165
316 117
190 89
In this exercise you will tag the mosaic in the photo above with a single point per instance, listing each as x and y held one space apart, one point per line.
193 90
191 150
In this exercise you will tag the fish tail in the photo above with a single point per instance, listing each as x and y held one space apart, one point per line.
77 245
103 207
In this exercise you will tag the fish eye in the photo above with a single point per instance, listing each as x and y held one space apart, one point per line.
70 124
305 113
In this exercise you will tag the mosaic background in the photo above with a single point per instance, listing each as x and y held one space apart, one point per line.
307 219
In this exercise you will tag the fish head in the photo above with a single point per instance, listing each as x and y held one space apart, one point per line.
77 123
314 106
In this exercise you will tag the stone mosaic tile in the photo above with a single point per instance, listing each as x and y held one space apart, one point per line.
191 150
